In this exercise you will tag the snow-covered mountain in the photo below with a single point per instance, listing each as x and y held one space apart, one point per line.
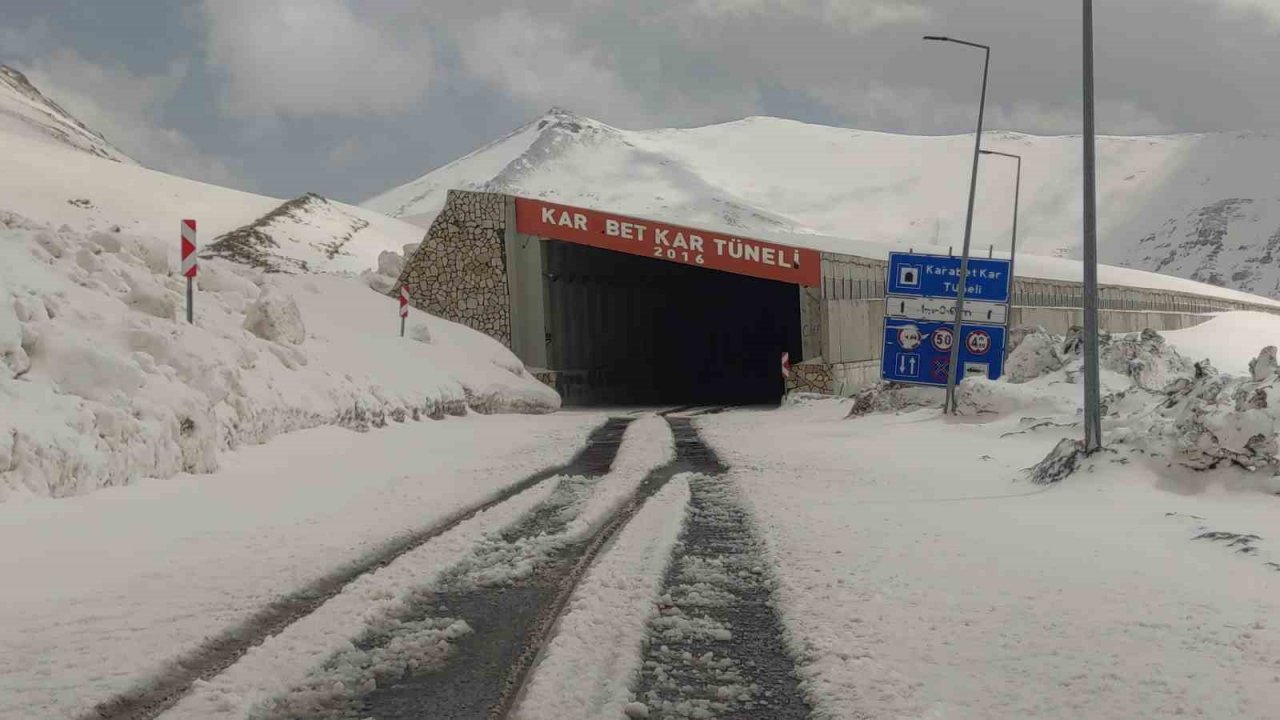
1202 206
25 111
56 182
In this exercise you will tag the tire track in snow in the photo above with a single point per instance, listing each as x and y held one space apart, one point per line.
153 696
716 648
485 670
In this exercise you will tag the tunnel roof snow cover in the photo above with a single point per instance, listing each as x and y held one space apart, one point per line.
711 249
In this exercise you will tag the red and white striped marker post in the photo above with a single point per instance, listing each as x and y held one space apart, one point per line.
404 307
189 264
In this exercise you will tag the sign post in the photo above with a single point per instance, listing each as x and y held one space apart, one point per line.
1092 380
920 318
190 265
404 307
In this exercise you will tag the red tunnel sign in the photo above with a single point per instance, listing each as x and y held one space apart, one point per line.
672 243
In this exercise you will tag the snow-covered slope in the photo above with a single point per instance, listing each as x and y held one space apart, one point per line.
306 234
101 381
25 111
54 174
1198 206
59 186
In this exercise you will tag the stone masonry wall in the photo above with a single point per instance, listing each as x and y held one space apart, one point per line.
811 377
459 271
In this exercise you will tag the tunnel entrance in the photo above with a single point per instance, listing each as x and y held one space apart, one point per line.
628 329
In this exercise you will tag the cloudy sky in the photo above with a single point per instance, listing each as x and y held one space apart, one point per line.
351 97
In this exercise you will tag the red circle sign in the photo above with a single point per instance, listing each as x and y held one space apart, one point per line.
978 342
943 339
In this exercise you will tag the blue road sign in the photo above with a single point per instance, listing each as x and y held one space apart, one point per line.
938 276
920 352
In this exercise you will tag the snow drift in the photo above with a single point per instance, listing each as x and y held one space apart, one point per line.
1159 406
100 383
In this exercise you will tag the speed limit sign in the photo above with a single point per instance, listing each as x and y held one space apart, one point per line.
978 342
943 339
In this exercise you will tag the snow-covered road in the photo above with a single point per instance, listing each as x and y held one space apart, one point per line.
904 559
103 590
920 577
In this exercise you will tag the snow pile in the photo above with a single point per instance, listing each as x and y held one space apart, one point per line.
274 316
1209 420
1157 403
881 397
1230 340
390 265
100 385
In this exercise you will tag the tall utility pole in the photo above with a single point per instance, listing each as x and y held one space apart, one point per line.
1013 244
1092 382
963 280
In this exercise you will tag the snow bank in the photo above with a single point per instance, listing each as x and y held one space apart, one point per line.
879 397
1228 340
100 385
1157 403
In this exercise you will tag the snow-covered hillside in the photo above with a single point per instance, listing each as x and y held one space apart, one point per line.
59 186
309 234
1198 206
103 383
26 112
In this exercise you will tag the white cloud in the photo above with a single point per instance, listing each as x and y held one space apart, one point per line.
317 57
540 63
856 16
1268 8
924 111
127 109
25 42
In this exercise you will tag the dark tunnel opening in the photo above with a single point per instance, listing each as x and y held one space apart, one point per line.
627 329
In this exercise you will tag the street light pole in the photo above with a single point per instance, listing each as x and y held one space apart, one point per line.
1092 381
1013 244
963 280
